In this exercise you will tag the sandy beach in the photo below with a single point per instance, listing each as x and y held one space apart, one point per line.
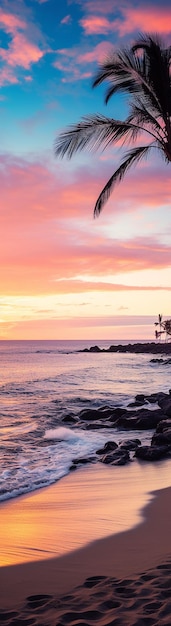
122 578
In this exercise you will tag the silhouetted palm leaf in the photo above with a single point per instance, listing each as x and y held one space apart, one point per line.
132 157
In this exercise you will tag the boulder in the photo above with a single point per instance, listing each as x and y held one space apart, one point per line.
69 419
83 461
117 412
116 457
151 453
163 425
161 439
91 414
140 397
142 419
130 444
136 403
165 405
156 397
109 445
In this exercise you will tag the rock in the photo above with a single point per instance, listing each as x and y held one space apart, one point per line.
107 411
130 444
151 453
117 457
83 461
140 397
142 419
163 425
156 360
165 404
69 419
115 413
91 414
156 397
136 403
109 445
135 348
160 439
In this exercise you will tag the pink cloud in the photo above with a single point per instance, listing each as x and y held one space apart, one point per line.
97 54
96 25
24 48
71 61
141 17
48 232
11 22
156 19
21 52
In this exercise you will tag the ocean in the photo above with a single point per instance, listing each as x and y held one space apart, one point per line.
42 383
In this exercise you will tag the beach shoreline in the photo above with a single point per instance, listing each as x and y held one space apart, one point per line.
130 553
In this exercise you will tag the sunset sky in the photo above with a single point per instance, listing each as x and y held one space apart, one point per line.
64 274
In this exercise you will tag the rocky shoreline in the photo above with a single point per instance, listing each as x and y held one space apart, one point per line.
139 415
135 348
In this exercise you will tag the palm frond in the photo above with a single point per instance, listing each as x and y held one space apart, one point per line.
128 73
141 116
122 71
132 157
94 132
156 62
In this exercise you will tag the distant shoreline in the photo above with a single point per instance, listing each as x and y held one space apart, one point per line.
135 348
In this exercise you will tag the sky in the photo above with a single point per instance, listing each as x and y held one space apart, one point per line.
64 274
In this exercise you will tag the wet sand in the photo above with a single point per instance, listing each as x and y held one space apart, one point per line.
56 590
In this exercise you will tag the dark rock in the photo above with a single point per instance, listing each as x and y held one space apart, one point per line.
156 397
130 444
106 411
160 439
69 419
117 457
115 413
83 461
165 404
140 397
150 453
136 403
142 419
109 445
91 414
134 348
163 425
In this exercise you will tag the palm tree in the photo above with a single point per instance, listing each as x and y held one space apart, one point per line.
144 73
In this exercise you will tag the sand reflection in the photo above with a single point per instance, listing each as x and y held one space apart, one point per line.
87 505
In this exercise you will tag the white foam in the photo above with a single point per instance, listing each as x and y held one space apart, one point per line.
62 434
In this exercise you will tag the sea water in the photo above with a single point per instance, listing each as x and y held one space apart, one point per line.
41 382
